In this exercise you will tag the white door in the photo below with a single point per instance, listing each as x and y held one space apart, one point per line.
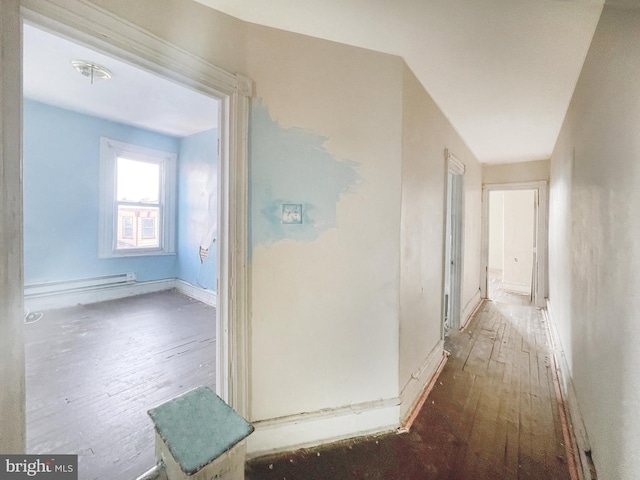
453 245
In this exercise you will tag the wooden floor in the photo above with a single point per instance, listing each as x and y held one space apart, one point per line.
492 414
93 371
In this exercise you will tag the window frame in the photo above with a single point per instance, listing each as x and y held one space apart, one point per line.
110 151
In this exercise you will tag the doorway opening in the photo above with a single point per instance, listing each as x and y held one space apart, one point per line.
454 218
231 93
120 257
514 242
511 242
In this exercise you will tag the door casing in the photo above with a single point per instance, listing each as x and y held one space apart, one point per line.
539 285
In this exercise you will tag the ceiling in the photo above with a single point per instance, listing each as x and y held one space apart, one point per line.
502 71
132 96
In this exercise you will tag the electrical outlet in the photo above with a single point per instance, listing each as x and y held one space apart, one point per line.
291 213
131 277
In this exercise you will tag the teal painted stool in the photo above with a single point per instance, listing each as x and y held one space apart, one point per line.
199 437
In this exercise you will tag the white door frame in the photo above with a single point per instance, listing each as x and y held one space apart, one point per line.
456 168
540 294
101 30
12 403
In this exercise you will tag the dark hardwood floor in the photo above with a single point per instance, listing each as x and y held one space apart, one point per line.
93 371
493 414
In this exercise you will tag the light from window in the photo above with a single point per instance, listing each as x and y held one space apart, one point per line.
138 198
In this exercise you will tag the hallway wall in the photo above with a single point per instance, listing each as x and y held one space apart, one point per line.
594 249
426 133
516 172
325 135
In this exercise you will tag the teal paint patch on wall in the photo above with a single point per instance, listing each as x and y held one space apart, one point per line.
292 166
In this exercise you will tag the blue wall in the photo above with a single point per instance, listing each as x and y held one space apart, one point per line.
61 180
198 208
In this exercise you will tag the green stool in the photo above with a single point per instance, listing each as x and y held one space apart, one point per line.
199 437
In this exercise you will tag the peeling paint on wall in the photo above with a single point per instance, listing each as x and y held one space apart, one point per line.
198 209
292 166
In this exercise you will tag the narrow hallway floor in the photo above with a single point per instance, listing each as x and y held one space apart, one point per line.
493 414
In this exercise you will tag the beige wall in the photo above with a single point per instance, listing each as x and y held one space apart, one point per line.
325 310
426 134
594 248
516 172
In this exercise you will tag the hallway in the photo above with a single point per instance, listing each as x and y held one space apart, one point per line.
493 414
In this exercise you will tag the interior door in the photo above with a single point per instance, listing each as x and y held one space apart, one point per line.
453 252
535 290
448 261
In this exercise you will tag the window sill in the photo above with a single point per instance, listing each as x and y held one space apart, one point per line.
137 253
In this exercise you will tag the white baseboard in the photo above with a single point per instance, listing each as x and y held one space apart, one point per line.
68 297
579 436
202 294
323 426
412 391
470 308
68 294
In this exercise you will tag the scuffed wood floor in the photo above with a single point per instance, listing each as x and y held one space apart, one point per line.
93 371
493 414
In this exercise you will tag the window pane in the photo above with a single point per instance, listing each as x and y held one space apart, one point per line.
137 181
127 227
148 227
137 227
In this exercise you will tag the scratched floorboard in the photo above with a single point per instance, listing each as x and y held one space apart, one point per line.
491 416
93 371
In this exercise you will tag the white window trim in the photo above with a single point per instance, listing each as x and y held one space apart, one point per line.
110 150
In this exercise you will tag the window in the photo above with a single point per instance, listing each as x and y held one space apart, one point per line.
137 194
127 227
149 227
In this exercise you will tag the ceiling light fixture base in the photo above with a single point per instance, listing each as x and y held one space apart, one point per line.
91 70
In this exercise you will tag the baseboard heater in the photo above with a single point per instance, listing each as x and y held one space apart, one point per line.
72 286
